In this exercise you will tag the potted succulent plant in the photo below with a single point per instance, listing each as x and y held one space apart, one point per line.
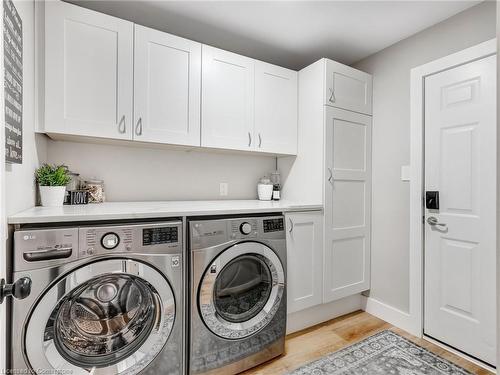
52 180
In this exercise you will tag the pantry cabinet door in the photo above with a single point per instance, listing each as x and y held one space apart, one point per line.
348 88
167 84
347 200
227 114
88 72
275 109
304 241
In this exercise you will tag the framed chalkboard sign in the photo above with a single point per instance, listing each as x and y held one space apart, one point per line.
13 82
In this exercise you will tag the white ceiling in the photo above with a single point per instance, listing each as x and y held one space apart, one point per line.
288 33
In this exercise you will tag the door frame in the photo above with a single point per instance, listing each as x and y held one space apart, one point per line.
3 217
416 258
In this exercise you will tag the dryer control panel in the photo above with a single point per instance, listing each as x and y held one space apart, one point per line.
206 233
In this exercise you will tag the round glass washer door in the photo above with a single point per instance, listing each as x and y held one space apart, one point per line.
241 290
108 317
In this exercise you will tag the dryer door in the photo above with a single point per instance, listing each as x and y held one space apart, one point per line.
241 290
108 317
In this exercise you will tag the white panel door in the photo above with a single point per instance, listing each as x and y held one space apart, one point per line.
304 242
348 88
167 88
347 203
275 109
88 72
227 110
460 163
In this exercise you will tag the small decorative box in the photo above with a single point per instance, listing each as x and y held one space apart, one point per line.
79 197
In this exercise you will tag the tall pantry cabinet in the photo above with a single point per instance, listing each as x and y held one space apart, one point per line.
333 168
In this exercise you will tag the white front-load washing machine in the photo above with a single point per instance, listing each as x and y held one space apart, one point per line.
105 299
238 294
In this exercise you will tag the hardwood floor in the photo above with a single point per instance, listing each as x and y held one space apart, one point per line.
315 342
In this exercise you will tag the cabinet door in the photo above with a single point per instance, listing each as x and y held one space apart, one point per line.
88 72
167 84
304 241
227 110
348 88
275 109
347 203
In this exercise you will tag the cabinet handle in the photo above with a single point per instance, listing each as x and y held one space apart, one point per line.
249 139
121 125
332 95
138 127
260 140
291 225
330 178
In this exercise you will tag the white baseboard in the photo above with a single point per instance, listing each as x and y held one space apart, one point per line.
322 313
390 314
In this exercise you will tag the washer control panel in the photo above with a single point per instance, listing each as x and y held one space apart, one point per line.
150 238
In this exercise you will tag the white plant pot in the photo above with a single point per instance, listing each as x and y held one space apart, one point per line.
52 196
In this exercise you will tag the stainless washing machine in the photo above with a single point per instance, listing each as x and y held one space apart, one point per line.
238 293
104 300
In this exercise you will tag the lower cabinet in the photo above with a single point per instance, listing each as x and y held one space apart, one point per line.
313 266
304 239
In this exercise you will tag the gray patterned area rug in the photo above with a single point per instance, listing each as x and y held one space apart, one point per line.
383 353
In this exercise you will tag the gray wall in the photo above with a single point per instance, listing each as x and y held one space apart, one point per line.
391 140
145 174
19 179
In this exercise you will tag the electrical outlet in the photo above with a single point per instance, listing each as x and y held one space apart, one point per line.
223 189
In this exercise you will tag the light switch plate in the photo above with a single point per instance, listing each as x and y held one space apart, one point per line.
223 189
405 173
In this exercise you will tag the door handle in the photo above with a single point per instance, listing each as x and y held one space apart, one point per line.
19 290
121 125
249 139
330 178
138 127
291 225
432 221
260 140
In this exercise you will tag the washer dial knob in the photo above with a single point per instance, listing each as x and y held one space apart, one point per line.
110 240
245 228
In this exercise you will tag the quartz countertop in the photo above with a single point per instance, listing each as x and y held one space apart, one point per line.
153 209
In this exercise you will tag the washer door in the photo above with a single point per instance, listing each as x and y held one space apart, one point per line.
109 317
241 290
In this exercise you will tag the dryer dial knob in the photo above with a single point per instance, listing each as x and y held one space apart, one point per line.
245 228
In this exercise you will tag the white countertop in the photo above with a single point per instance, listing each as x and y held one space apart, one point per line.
145 210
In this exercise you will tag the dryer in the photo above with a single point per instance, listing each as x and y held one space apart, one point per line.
105 299
238 293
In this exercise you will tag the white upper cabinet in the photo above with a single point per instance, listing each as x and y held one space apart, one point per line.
348 88
167 83
304 243
227 109
275 109
108 78
347 202
88 72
